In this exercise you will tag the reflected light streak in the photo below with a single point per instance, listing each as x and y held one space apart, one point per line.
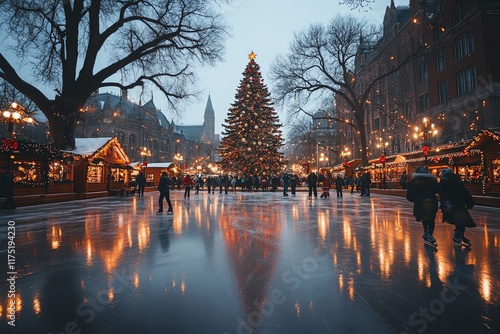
143 236
385 265
136 280
323 224
350 288
111 295
89 252
19 303
407 249
358 261
37 307
485 238
420 266
347 233
341 283
129 236
56 237
297 309
183 287
485 287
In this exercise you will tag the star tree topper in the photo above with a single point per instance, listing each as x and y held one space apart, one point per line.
252 55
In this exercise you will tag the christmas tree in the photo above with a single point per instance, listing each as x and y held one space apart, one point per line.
252 136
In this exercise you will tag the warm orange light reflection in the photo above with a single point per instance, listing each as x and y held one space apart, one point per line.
136 280
37 308
55 237
297 309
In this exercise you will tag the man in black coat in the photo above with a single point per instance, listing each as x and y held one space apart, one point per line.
422 190
141 184
164 189
312 183
456 201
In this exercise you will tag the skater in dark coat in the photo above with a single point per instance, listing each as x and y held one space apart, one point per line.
339 183
422 190
141 184
164 189
455 201
312 180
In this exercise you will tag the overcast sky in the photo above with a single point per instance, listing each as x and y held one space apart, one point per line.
265 27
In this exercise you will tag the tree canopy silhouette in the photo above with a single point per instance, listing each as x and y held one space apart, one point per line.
78 46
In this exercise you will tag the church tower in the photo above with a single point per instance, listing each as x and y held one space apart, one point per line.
209 123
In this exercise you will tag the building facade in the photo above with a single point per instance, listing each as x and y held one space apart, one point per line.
442 56
143 130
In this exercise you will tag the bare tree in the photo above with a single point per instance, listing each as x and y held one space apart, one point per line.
321 62
359 4
79 46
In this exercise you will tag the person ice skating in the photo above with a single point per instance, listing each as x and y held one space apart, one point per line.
312 180
164 189
294 180
325 187
285 179
403 180
141 184
455 201
187 182
339 183
422 190
366 183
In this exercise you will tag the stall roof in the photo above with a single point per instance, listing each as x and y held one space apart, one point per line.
89 146
153 164
482 139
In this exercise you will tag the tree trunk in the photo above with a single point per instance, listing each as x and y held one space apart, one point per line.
360 125
62 130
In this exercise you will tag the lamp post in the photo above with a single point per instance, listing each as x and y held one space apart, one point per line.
15 114
145 152
426 132
178 157
345 156
383 146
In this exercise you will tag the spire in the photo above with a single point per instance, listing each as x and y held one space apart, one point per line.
392 4
209 109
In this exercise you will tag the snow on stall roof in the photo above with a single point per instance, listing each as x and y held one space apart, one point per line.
87 146
153 164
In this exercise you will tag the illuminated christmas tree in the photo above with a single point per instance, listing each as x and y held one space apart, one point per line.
252 136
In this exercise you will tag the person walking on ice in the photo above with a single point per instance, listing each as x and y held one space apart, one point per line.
455 201
422 190
164 189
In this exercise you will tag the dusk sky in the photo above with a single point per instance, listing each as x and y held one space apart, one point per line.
265 27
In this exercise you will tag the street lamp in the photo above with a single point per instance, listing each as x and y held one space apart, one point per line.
15 114
178 157
323 158
345 155
145 152
427 132
383 146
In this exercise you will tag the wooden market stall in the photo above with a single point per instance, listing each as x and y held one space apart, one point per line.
41 173
485 171
104 168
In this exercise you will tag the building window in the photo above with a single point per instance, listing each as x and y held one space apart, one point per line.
423 72
120 136
443 91
440 60
408 111
407 82
458 13
423 102
466 80
464 46
394 82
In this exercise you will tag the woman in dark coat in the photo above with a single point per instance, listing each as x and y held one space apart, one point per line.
455 202
422 190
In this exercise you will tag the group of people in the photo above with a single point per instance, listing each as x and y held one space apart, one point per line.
454 202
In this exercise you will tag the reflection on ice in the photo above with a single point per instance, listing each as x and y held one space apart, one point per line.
227 259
